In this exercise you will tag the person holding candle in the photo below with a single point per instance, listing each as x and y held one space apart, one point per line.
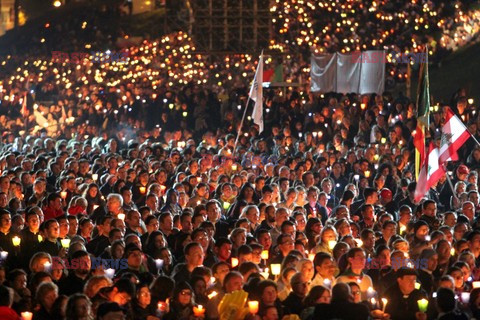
139 190
51 244
113 207
182 303
402 296
341 306
200 195
29 236
356 263
6 235
313 207
324 270
328 236
142 307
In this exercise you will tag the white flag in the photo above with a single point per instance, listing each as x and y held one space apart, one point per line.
256 94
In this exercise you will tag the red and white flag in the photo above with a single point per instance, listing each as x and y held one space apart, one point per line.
454 135
430 173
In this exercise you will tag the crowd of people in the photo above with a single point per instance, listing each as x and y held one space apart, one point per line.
125 193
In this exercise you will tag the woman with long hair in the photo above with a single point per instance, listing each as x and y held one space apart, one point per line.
94 197
182 303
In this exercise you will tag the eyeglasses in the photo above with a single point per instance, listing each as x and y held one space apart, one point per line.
355 293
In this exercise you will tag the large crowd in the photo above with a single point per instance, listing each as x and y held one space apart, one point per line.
124 193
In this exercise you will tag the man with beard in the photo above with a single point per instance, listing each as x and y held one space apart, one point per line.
77 278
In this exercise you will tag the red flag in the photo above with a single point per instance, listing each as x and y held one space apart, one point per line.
430 173
454 135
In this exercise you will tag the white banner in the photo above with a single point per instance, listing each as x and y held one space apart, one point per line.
323 72
348 73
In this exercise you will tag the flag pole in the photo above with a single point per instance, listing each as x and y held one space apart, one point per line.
255 79
240 128
451 186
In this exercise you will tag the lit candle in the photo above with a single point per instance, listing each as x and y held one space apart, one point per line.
403 229
95 206
199 179
373 302
465 296
367 174
162 188
213 294
264 255
110 273
234 262
95 177
476 284
121 216
383 140
198 311
234 167
422 305
327 283
162 306
3 255
332 244
47 266
311 256
40 238
276 268
226 205
370 292
27 315
65 243
143 190
359 242
159 263
63 194
16 241
452 251
253 307
417 285
384 302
